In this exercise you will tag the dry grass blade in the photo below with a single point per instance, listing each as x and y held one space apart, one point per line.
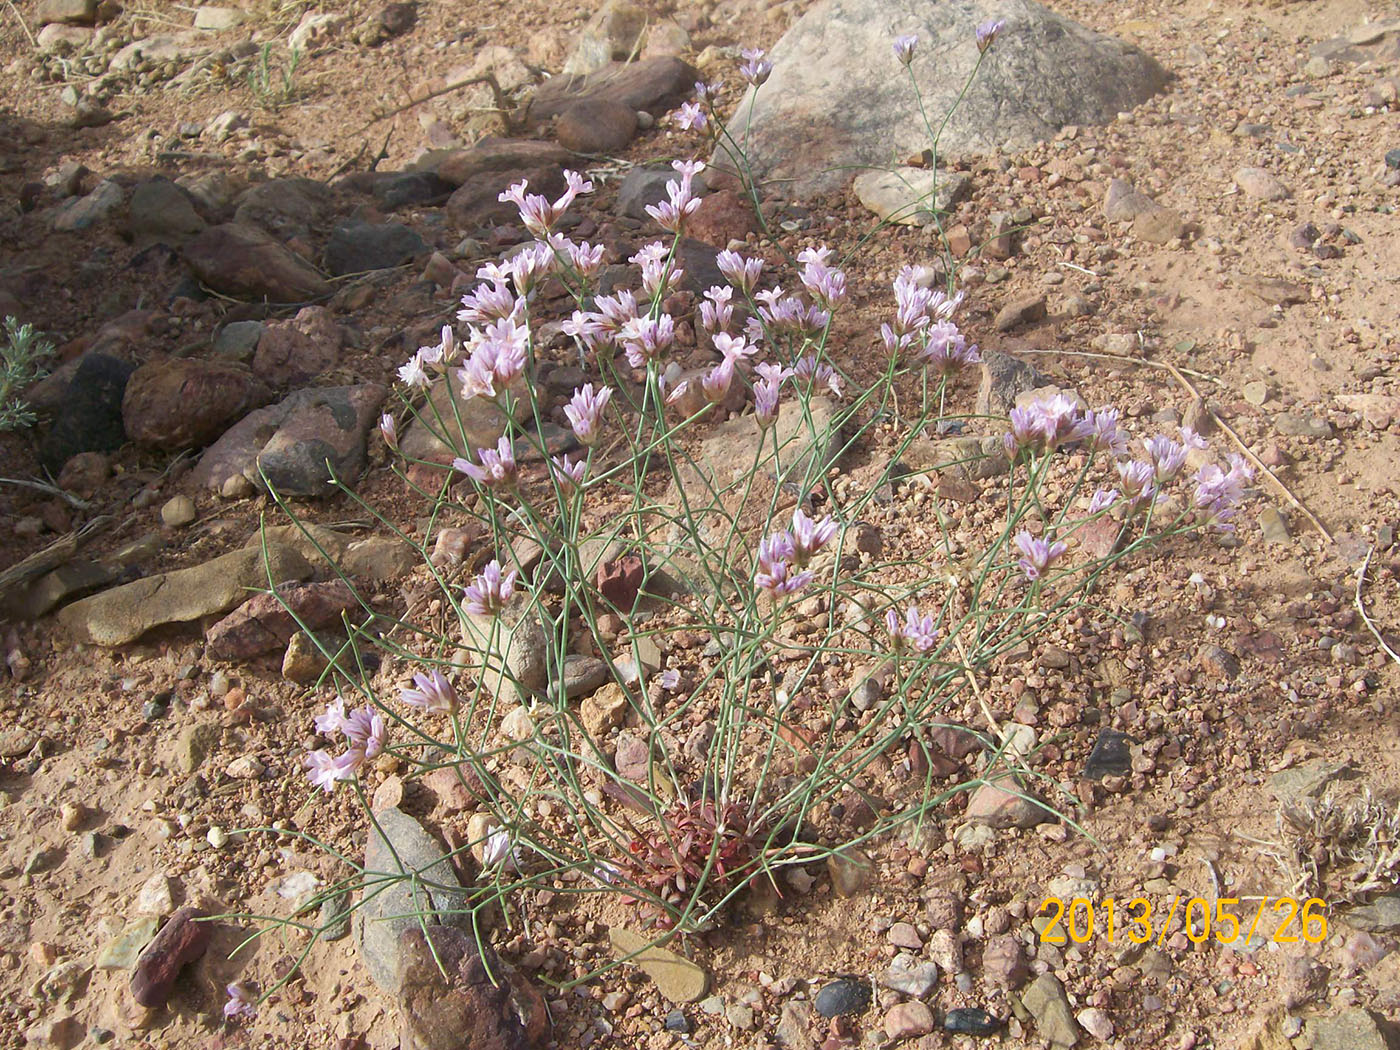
1361 606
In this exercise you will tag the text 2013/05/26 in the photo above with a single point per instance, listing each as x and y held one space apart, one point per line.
1227 919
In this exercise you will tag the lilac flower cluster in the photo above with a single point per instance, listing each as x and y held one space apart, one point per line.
923 329
365 733
1037 555
783 556
489 591
916 630
497 469
681 201
431 692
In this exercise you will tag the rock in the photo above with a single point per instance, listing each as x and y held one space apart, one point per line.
1006 806
177 403
356 247
62 1033
1096 1022
596 125
677 979
123 614
907 1020
1256 392
122 951
218 19
723 216
81 212
633 757
1273 526
160 50
68 12
267 622
911 196
1273 290
1019 312
162 212
491 166
307 429
850 871
315 31
1307 781
16 742
55 38
653 85
1352 1029
178 512
508 651
303 662
583 675
908 976
805 125
156 897
450 992
194 743
1261 184
1004 379
473 423
1218 662
1304 981
1159 226
1111 755
245 767
1004 962
295 350
614 33
843 997
180 942
397 847
84 473
971 1021
243 262
238 340
1123 203
221 129
1046 1001
1382 915
795 1025
289 208
644 185
604 710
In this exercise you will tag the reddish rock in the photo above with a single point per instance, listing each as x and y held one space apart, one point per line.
596 125
266 622
1006 804
175 403
456 788
246 263
1004 963
955 741
724 216
294 351
494 156
450 994
656 85
618 581
180 942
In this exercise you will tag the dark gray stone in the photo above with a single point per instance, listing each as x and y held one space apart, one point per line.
1111 756
89 418
359 246
849 995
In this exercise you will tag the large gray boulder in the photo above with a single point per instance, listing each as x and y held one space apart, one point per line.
838 101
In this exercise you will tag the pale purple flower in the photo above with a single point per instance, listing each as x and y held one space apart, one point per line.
586 258
715 383
773 373
808 536
585 411
1138 480
756 68
489 592
904 48
324 769
490 301
1104 434
1036 554
946 349
987 32
497 849
690 117
735 348
707 92
569 473
775 573
681 202
365 729
241 1002
716 312
1166 456
826 284
765 402
329 722
915 630
1192 440
670 679
739 271
530 265
659 271
413 374
431 692
811 370
1027 431
497 468
389 430
645 339
1219 492
537 213
783 313
1102 499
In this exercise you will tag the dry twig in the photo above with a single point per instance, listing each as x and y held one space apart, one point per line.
1361 606
20 19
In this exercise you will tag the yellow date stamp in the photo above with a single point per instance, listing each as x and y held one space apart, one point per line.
1079 920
